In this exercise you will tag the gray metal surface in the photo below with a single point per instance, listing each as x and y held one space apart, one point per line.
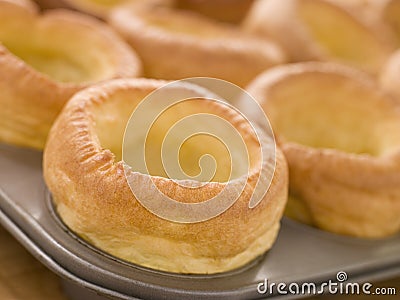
301 254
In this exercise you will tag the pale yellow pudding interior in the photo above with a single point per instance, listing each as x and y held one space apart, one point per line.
200 156
341 36
184 23
326 111
62 50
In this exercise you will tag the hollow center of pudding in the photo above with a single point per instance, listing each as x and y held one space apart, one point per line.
185 23
341 36
322 111
177 145
65 52
51 63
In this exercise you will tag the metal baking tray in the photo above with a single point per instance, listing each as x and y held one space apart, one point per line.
300 254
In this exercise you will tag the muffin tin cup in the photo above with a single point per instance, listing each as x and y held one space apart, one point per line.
301 253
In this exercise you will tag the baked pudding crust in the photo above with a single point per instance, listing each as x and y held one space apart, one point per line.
386 11
341 138
390 76
99 8
391 15
93 198
63 53
304 28
212 48
232 11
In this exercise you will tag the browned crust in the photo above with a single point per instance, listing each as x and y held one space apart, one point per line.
92 195
232 11
169 54
92 7
391 15
354 194
101 9
32 99
280 20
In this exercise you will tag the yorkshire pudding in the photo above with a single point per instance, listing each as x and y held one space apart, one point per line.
232 11
51 4
44 60
387 11
98 8
176 44
341 138
390 76
391 15
85 174
322 30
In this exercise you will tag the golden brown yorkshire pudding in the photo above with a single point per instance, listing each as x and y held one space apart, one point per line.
176 44
386 11
322 30
85 174
223 10
390 75
101 8
51 4
98 8
232 11
341 138
367 8
391 15
44 60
